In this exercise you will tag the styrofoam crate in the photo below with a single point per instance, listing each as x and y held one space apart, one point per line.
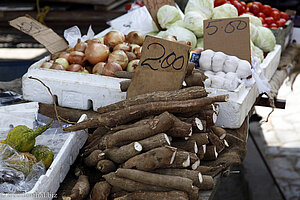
233 113
47 185
71 89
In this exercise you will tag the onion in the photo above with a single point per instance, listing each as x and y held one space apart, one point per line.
63 61
132 65
131 56
76 57
64 54
135 37
85 71
124 46
112 38
138 52
98 68
80 46
74 68
96 52
119 57
170 38
110 68
46 65
57 66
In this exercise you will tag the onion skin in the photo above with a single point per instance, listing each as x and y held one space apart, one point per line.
119 57
124 46
135 37
57 66
131 56
96 52
113 38
80 46
47 65
74 68
132 65
111 68
98 68
76 57
64 54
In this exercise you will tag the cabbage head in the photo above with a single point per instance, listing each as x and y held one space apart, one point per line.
167 15
253 19
257 52
193 21
253 32
204 6
183 34
200 43
224 11
265 39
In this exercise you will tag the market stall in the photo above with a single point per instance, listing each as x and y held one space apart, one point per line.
140 132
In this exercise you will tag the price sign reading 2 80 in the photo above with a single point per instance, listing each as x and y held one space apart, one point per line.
235 25
162 60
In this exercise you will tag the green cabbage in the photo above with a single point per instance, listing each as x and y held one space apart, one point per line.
224 11
265 39
200 43
253 32
162 34
152 33
203 6
167 15
193 21
257 52
253 19
177 23
183 34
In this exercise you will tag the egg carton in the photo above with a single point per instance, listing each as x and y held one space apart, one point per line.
233 113
71 89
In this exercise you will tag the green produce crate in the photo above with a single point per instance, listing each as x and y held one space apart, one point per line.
283 34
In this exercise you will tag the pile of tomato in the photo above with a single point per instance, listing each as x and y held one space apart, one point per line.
270 17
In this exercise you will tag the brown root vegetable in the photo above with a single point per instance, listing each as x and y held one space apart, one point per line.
120 155
176 95
202 151
195 161
93 158
130 113
211 152
155 141
182 160
131 185
195 176
219 131
187 145
159 124
195 79
200 138
106 166
190 68
207 183
81 189
123 74
153 159
100 191
172 195
180 129
215 140
136 124
124 85
174 182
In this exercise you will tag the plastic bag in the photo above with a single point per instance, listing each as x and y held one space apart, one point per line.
9 97
73 34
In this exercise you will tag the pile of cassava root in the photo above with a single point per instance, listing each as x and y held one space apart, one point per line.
149 147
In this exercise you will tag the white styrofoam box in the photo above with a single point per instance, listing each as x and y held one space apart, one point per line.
18 114
72 89
47 185
233 113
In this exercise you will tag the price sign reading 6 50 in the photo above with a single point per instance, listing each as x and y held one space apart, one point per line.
229 35
162 67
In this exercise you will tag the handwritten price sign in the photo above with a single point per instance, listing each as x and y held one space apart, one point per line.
230 35
162 67
44 35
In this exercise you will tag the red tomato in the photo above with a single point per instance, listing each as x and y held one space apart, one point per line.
269 20
261 14
267 10
275 9
273 26
219 2
266 25
239 7
284 16
254 9
259 4
276 15
243 4
281 22
262 20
